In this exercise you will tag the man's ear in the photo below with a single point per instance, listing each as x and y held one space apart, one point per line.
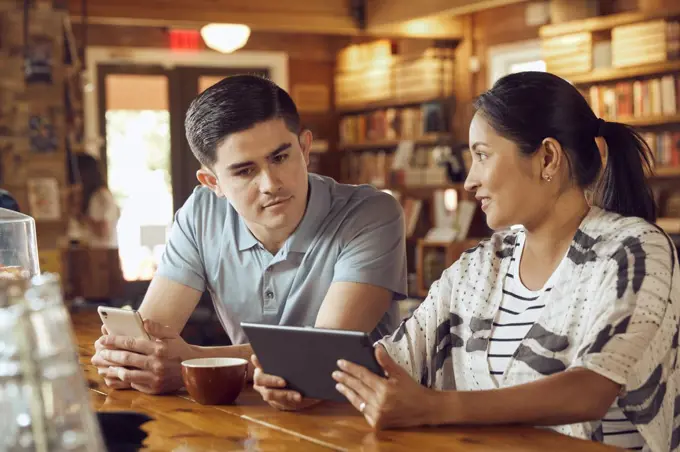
208 179
306 144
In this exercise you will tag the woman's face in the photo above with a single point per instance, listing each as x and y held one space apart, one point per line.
506 182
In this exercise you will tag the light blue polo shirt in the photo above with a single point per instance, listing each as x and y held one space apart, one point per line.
348 233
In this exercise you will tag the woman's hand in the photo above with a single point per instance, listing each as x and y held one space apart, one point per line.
270 388
394 401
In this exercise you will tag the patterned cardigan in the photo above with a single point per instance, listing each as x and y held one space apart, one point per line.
614 310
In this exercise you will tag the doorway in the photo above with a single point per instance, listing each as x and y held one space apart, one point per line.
149 166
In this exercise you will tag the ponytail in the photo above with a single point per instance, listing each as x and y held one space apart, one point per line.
623 186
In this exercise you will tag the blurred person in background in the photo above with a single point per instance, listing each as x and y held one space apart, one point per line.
96 213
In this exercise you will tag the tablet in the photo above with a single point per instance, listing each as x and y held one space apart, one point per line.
306 357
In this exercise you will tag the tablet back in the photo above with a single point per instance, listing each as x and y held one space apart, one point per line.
306 357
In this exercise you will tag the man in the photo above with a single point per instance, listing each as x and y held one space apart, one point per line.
271 242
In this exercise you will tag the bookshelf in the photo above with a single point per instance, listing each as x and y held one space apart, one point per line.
604 75
403 101
395 109
666 172
430 139
629 73
648 121
604 23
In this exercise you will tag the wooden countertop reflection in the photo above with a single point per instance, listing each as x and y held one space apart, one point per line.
180 424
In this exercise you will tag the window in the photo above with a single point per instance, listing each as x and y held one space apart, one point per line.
510 58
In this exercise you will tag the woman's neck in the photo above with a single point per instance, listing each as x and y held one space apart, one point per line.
549 237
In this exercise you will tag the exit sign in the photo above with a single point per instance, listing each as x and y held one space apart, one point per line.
185 39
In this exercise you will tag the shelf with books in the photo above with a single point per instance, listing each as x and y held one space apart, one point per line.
648 121
606 22
666 171
389 103
614 74
429 139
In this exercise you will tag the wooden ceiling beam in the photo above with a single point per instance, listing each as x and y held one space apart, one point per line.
442 27
329 17
308 16
380 13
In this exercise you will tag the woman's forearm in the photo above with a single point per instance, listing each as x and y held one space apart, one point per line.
577 395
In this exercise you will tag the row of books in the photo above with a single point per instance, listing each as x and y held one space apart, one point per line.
378 168
639 98
393 124
665 147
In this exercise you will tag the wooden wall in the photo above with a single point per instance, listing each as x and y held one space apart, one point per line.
489 31
484 30
311 61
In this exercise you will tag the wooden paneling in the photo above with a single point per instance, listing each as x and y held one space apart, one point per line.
324 125
441 27
464 83
297 46
607 22
617 6
383 12
316 16
489 31
307 16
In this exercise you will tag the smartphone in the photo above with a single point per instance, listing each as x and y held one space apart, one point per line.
122 322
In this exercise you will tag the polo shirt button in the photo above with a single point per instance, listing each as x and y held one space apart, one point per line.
269 294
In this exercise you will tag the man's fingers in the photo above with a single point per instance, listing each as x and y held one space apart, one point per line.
131 344
285 398
137 377
123 359
268 381
255 361
115 383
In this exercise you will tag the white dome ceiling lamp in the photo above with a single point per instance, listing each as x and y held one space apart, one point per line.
225 38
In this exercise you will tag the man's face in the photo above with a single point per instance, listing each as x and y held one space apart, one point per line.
262 171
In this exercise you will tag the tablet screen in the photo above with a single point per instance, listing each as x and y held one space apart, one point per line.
306 357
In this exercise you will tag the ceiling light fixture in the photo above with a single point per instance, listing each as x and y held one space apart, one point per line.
225 38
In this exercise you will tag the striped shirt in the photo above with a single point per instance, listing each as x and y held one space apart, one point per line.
520 308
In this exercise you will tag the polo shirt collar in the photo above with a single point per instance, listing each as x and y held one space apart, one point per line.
244 238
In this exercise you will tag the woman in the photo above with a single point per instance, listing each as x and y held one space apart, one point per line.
570 321
98 213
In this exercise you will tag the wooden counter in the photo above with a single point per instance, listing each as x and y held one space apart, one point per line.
181 424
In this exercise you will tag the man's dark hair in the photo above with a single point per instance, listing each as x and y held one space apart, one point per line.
233 105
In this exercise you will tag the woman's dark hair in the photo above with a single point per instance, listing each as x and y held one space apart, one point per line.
90 176
528 107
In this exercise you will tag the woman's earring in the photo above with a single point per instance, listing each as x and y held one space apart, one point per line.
547 177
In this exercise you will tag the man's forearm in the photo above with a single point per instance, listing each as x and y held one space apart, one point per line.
565 398
243 351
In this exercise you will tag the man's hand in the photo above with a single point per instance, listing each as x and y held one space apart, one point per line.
270 388
149 366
